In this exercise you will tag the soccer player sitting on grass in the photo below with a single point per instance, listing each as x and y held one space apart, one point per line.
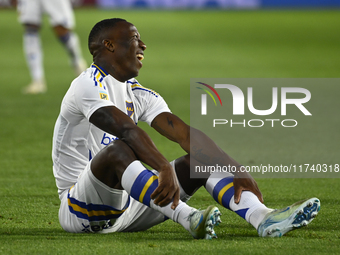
98 151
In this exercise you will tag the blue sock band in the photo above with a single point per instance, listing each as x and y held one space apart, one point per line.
142 188
65 38
224 191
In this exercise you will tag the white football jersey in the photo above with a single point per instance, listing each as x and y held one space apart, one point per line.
75 139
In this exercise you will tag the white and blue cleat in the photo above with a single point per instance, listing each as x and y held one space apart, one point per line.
279 222
202 223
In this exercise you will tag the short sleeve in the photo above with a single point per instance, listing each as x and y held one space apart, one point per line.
89 97
150 103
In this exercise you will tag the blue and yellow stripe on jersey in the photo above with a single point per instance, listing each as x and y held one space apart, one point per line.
224 191
94 212
143 186
98 76
136 86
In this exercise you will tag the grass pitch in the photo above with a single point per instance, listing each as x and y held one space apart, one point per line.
181 45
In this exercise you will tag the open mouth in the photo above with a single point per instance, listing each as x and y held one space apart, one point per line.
140 56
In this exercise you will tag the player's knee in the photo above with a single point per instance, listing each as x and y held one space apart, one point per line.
110 163
30 28
119 153
60 31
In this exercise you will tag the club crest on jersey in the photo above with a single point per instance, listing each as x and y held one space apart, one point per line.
103 95
129 108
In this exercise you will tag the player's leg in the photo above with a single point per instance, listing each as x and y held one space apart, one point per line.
91 206
34 57
188 184
267 221
63 22
71 43
221 187
30 17
117 167
139 217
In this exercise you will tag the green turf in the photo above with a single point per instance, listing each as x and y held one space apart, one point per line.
181 45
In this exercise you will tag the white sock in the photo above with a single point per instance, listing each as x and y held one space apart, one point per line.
33 54
140 183
221 188
249 203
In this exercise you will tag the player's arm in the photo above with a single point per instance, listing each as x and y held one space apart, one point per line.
112 120
204 150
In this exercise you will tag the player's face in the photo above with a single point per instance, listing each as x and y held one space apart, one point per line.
128 51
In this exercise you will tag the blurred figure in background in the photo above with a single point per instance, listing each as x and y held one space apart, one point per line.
61 18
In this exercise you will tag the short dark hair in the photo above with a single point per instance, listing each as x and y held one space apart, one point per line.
100 27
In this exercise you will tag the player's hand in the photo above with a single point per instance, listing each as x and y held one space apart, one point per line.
167 190
245 182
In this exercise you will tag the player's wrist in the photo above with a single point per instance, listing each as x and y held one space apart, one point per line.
165 167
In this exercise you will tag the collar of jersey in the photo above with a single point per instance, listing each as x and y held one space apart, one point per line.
100 69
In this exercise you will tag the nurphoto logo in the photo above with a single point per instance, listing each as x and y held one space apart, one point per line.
238 98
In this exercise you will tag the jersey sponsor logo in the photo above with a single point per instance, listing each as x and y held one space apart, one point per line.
103 95
107 139
129 108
